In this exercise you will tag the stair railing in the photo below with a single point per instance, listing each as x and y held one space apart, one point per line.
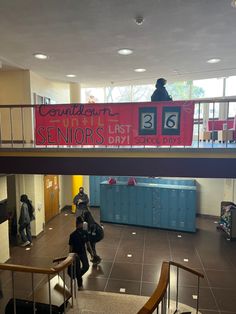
160 299
50 272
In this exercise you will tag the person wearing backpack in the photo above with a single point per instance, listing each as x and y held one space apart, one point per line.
26 216
96 234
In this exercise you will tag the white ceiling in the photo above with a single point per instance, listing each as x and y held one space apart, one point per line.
82 37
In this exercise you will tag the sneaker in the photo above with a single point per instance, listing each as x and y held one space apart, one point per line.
25 243
80 283
96 260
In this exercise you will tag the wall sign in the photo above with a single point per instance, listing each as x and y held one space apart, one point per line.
124 124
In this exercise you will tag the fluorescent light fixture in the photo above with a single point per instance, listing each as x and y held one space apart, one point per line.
140 70
125 51
40 56
129 255
213 60
70 75
186 260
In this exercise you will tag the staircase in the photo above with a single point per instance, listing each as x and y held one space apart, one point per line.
94 302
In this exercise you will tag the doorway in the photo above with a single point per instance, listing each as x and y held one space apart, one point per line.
51 195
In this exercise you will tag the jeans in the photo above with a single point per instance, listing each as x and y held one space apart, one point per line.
25 237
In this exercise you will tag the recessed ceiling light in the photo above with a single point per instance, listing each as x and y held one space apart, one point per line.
125 51
70 75
40 56
140 70
213 60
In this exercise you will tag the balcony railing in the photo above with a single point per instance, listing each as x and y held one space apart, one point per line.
214 128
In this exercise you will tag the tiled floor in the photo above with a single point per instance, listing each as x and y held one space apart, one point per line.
207 250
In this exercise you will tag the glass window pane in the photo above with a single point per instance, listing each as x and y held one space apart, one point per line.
92 95
118 94
208 88
198 111
230 89
142 92
214 110
179 90
232 109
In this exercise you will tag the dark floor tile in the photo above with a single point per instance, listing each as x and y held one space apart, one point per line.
151 273
226 299
222 279
129 255
155 255
126 271
206 298
213 261
148 288
188 279
94 284
131 287
107 254
193 260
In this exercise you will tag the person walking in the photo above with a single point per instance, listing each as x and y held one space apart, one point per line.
26 216
160 93
96 234
78 241
81 202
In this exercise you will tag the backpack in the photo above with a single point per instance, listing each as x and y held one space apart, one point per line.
31 210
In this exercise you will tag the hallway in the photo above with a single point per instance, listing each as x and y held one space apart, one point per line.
131 261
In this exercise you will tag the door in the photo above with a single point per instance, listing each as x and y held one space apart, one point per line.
51 196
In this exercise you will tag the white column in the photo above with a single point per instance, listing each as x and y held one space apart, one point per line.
75 93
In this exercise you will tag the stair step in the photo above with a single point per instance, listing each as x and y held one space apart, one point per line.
91 302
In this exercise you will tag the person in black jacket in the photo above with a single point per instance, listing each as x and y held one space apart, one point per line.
78 242
160 94
96 234
81 201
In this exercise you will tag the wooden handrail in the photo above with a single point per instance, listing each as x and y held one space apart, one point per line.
152 304
159 292
187 269
49 271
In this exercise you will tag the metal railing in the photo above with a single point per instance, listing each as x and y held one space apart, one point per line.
17 127
46 297
159 301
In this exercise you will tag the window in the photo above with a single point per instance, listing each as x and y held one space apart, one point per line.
142 92
230 89
209 88
118 94
92 95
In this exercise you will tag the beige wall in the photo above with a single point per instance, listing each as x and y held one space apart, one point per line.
65 190
58 92
3 188
15 87
4 243
15 90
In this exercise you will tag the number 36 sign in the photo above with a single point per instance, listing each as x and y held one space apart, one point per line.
168 123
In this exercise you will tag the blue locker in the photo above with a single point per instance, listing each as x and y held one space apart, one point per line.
169 206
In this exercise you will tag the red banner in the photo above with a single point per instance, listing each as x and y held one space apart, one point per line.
137 124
